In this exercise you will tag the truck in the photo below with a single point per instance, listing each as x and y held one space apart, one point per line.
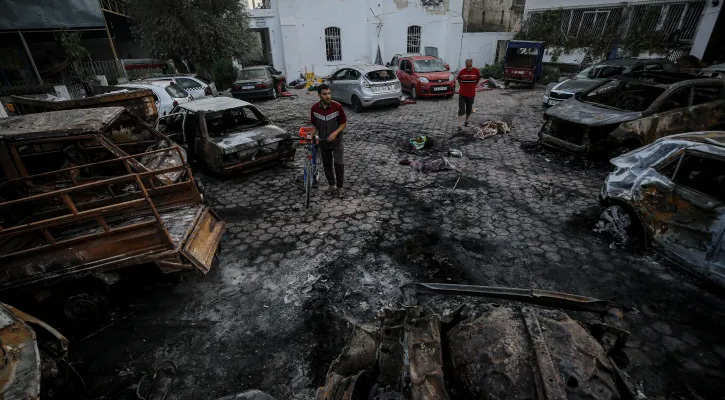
85 193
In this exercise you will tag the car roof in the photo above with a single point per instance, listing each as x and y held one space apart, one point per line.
156 83
213 104
369 67
419 57
664 79
714 67
257 67
407 55
59 123
633 61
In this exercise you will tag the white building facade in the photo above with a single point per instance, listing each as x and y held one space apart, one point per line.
320 36
693 21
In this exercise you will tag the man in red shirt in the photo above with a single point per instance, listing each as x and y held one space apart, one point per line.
467 80
328 120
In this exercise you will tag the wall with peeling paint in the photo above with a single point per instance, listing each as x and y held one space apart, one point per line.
364 25
493 15
481 46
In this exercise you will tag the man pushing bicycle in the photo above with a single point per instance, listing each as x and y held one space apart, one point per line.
328 120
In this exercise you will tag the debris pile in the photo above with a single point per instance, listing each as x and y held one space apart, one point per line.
429 164
491 128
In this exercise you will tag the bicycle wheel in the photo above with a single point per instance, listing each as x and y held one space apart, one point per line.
309 176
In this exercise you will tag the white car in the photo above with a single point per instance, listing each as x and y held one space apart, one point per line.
195 85
167 94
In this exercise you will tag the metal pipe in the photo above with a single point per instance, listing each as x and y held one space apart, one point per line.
30 56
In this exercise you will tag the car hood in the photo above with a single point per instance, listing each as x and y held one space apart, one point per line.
587 114
435 75
575 85
250 138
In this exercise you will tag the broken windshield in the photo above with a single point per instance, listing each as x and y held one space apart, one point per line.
431 65
222 123
600 72
621 95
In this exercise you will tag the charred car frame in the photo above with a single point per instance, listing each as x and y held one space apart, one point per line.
626 112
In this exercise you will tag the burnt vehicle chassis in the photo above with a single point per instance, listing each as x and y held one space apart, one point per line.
491 351
85 193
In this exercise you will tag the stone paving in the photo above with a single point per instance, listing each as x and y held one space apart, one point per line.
290 283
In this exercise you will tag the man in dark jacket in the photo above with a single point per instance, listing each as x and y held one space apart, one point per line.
328 119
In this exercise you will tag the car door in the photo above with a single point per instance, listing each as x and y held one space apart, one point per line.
194 88
708 107
673 115
276 78
404 73
348 84
335 84
686 208
393 65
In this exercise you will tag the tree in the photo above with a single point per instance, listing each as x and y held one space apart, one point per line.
196 31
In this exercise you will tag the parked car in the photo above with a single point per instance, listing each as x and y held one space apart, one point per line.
556 92
426 76
394 64
626 112
166 94
522 63
713 71
197 86
671 194
262 82
227 135
364 86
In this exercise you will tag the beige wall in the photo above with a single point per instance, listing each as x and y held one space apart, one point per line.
493 15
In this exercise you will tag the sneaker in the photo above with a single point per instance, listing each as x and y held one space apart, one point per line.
465 123
331 191
340 192
458 129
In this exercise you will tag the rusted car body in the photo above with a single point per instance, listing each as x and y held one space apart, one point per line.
139 101
487 351
84 192
623 113
673 193
25 368
227 135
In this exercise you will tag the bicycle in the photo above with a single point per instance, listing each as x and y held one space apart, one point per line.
311 170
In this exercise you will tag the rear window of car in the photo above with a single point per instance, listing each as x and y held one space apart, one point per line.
600 72
382 75
222 123
176 91
251 74
203 79
621 95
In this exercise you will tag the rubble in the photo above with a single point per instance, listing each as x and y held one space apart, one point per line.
490 128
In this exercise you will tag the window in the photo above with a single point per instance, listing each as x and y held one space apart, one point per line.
251 74
259 4
431 65
703 174
629 96
234 120
431 51
707 93
354 75
405 66
382 75
394 62
414 39
340 75
333 44
653 67
680 98
187 83
176 91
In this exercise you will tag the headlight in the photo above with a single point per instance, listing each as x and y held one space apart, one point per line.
423 79
451 78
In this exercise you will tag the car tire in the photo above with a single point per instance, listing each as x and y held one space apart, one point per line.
413 93
274 94
622 223
357 105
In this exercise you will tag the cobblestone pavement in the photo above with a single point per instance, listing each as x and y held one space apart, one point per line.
290 283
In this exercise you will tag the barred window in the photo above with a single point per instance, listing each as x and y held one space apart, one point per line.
333 44
414 39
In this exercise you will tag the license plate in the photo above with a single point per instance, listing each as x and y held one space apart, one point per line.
440 89
248 87
383 88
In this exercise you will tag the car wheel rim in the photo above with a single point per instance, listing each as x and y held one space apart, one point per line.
413 94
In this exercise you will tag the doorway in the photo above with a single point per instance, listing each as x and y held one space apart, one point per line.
262 52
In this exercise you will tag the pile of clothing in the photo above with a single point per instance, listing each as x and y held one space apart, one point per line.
490 128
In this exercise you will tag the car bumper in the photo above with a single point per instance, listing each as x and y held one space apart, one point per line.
548 101
381 99
430 90
254 94
256 164
551 141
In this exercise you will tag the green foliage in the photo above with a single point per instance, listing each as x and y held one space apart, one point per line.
224 73
549 74
71 44
200 31
551 27
494 71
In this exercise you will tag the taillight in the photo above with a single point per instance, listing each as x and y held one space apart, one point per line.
175 103
234 87
207 90
261 86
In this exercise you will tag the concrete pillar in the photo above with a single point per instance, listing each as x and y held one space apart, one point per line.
704 29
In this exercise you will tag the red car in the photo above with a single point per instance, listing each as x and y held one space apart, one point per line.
426 76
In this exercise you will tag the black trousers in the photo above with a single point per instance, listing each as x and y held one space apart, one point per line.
465 105
333 161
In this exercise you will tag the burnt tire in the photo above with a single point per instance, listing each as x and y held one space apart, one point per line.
86 306
621 223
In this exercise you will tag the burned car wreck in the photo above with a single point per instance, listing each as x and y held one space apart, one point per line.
84 193
489 351
628 111
671 194
227 135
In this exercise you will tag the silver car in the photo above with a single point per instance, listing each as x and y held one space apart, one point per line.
364 86
587 78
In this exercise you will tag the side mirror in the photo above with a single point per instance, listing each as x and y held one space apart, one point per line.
387 65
